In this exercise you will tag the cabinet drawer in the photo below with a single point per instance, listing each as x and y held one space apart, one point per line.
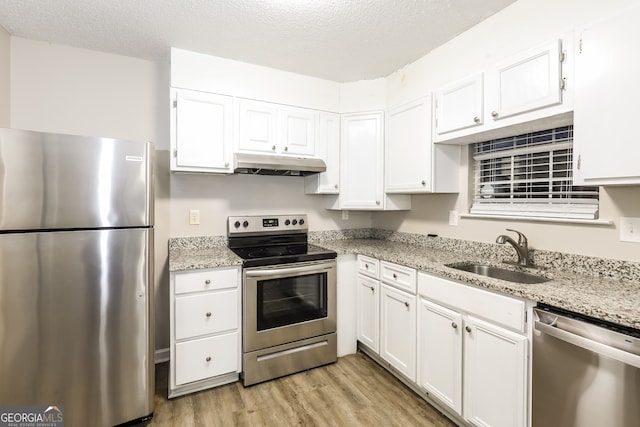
206 280
398 276
499 309
368 266
206 358
207 313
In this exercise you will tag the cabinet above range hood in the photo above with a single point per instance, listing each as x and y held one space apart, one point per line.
260 164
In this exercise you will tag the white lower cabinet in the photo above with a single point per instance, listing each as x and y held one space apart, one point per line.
205 329
477 367
398 329
368 320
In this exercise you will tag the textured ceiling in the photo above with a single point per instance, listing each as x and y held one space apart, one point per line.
340 40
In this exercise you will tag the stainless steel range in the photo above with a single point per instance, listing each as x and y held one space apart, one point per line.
289 296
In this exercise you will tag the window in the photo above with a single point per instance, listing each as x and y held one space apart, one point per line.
530 175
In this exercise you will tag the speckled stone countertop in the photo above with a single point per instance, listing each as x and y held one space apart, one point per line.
601 288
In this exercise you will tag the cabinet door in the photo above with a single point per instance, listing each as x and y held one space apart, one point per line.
606 133
328 149
398 330
298 131
361 162
368 308
257 122
495 375
460 105
440 353
202 134
408 149
527 82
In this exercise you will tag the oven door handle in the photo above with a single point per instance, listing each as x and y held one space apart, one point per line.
290 270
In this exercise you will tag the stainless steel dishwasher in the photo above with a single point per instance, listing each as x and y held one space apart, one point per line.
585 372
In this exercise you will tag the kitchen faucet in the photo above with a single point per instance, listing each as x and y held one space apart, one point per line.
521 247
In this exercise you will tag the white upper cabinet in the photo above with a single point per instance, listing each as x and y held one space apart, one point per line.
264 127
361 166
328 149
527 82
606 134
201 132
523 93
412 163
257 126
459 105
298 130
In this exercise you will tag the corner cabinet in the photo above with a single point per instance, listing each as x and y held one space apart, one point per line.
361 166
473 352
201 132
413 164
606 148
205 329
327 149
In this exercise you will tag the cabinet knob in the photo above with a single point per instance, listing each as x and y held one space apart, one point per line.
477 119
207 282
226 165
395 276
467 328
208 359
366 266
336 186
208 314
286 148
454 325
273 148
494 114
378 202
406 304
373 289
423 182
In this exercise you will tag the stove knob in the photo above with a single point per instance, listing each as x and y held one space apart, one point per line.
301 222
245 224
236 224
287 222
294 222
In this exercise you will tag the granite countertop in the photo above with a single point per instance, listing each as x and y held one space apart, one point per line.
613 299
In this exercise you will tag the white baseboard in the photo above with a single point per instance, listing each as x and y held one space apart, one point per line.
162 355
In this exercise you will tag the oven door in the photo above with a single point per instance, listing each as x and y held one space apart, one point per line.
286 303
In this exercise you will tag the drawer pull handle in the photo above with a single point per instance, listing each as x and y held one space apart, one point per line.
208 314
208 359
395 276
207 282
467 328
454 325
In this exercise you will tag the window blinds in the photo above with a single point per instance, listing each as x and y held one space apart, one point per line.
530 175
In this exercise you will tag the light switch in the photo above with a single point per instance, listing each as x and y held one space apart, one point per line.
194 217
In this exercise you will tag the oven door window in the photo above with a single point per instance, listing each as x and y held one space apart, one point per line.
291 300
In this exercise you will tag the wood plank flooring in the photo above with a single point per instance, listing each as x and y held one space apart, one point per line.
355 391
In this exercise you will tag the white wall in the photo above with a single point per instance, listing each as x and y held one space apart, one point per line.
5 81
523 24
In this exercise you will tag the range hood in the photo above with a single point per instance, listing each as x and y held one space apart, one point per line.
260 164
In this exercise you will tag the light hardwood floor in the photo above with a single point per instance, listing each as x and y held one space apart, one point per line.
355 391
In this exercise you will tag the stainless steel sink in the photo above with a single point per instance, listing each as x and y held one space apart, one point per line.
499 273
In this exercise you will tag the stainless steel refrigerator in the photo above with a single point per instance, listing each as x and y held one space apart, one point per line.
76 269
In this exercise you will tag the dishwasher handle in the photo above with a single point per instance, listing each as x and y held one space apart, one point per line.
587 344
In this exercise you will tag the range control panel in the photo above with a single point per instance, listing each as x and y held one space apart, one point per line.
268 224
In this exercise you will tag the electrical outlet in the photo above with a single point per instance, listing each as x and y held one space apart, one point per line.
630 230
345 215
194 217
453 218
